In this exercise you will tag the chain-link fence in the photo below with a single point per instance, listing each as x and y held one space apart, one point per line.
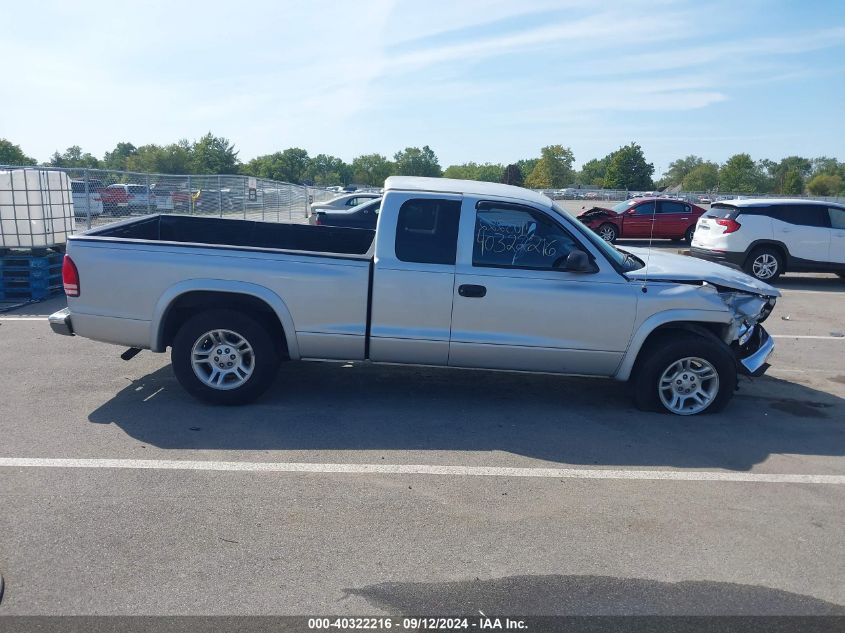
102 196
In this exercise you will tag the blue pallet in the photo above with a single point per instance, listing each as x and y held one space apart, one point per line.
30 262
22 274
40 283
30 294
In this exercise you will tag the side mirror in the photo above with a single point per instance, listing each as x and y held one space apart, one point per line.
577 262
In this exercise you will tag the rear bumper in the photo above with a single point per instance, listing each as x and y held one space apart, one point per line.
60 322
757 352
728 258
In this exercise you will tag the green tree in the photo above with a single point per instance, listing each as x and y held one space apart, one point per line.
11 154
778 171
628 169
214 155
539 177
704 177
371 169
117 158
512 175
594 171
678 170
489 172
793 183
413 161
325 170
740 174
74 157
554 169
175 158
290 165
827 166
527 165
825 185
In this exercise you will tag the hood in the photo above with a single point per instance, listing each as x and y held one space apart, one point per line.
596 212
662 266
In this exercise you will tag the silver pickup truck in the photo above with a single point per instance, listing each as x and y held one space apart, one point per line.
457 274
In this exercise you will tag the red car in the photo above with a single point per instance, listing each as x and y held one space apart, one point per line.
644 218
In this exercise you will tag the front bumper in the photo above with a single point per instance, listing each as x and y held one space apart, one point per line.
753 355
727 258
60 322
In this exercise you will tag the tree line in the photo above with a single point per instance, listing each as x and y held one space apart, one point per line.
624 168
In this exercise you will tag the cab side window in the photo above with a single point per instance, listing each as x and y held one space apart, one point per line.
510 236
427 231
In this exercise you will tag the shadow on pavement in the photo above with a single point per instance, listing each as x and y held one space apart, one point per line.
334 406
590 595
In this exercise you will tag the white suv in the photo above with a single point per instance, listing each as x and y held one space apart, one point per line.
767 237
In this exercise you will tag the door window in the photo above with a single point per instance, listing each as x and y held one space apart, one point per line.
646 208
837 218
673 207
510 236
427 231
802 214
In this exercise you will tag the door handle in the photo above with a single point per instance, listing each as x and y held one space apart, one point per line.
471 290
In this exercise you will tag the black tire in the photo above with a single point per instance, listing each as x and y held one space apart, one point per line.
688 234
610 230
670 347
761 253
265 357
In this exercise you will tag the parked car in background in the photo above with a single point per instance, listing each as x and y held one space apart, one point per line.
346 201
364 216
163 195
84 204
124 198
768 237
644 218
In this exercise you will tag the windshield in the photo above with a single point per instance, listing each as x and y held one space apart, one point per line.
621 259
623 206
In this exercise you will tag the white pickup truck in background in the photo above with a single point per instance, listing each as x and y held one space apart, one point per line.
456 274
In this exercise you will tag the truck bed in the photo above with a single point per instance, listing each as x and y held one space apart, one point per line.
237 233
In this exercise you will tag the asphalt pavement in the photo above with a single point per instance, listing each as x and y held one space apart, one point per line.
363 489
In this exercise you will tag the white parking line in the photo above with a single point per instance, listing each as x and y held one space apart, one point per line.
23 318
420 469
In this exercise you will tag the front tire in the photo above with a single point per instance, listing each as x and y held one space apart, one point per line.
685 374
224 357
608 232
765 264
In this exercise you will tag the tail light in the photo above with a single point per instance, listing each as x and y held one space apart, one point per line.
70 277
318 219
730 225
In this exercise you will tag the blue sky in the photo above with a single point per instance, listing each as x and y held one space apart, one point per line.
482 81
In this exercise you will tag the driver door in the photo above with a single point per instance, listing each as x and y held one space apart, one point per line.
514 307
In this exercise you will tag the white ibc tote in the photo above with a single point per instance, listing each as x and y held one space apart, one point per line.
36 208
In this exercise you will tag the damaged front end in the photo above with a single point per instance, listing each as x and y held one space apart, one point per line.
748 340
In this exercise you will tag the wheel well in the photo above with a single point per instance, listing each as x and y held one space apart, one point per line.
780 248
187 305
705 329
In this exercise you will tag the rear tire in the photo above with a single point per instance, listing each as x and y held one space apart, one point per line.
685 374
608 232
688 234
764 263
224 357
